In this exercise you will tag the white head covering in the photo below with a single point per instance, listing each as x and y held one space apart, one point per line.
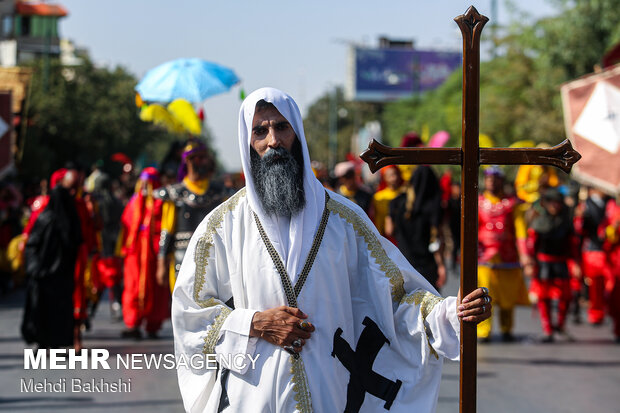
303 225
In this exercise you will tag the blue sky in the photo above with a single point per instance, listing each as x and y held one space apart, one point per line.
299 47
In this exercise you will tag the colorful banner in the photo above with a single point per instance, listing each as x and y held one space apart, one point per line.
389 74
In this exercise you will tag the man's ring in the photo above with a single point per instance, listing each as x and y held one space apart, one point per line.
304 325
483 309
487 299
485 290
297 343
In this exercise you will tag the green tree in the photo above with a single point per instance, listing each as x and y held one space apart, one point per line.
439 109
86 113
519 94
346 119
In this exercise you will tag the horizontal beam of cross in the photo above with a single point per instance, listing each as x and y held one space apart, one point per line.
562 156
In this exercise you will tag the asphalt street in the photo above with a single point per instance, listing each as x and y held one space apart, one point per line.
523 376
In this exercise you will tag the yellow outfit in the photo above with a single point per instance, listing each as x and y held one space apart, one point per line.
381 205
406 171
528 179
507 288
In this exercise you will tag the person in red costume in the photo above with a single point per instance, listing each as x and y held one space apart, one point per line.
106 270
144 300
501 252
610 228
40 202
596 270
552 243
87 250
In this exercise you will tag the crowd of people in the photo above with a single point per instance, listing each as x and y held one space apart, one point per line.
542 242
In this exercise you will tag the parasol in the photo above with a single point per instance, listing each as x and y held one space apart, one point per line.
191 79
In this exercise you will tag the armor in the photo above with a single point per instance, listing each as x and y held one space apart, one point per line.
189 209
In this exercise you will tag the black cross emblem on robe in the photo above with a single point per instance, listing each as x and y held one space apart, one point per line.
470 156
359 363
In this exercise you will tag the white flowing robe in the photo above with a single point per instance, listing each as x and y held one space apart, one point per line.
356 274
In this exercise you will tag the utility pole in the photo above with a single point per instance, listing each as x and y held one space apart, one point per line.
333 128
494 27
47 32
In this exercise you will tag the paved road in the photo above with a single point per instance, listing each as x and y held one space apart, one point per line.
527 376
152 390
519 377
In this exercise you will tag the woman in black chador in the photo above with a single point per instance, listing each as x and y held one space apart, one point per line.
49 258
414 221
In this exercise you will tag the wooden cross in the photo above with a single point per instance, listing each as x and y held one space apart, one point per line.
470 156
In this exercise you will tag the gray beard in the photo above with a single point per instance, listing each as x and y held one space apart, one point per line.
279 180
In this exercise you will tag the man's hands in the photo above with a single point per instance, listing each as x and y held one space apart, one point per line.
475 307
283 326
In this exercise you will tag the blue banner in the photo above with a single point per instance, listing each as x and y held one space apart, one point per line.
388 74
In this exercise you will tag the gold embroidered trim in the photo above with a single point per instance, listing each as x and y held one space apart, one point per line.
205 242
374 246
293 292
427 301
214 331
300 385
201 259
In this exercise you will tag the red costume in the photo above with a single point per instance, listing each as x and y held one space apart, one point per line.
89 245
143 298
497 238
501 234
610 228
552 239
596 269
40 202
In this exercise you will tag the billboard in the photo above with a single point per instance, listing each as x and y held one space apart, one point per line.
382 75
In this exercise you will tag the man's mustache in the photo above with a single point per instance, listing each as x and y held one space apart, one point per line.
274 155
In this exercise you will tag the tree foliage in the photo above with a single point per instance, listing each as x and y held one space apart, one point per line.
520 86
85 114
346 119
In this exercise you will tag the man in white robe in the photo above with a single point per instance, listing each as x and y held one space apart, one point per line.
363 331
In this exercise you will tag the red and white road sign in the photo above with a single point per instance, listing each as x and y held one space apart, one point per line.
592 122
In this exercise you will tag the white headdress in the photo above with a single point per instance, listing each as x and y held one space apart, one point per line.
303 225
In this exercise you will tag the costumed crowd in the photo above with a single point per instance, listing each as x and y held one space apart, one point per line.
542 242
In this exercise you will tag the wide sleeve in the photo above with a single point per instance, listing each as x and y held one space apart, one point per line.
202 312
198 312
423 324
433 318
422 313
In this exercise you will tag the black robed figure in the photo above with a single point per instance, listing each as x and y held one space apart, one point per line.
49 257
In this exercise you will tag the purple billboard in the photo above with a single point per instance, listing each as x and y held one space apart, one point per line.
389 74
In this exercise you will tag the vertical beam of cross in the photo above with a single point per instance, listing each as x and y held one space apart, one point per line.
470 156
471 25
